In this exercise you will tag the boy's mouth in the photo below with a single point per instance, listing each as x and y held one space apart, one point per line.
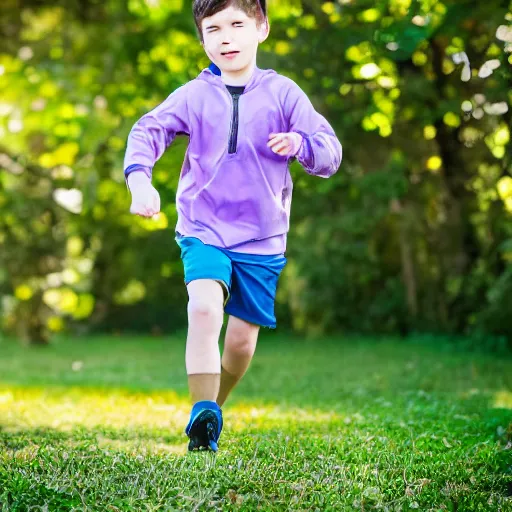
230 54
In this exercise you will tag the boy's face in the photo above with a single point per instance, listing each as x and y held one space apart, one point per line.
231 38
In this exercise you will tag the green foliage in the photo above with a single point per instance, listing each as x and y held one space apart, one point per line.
407 236
495 318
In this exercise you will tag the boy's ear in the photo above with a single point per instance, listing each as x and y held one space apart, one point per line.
264 31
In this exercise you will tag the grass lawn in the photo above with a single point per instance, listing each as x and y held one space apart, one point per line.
333 424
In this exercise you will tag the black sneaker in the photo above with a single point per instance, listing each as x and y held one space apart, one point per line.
205 426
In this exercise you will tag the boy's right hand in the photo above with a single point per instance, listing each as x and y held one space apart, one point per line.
145 197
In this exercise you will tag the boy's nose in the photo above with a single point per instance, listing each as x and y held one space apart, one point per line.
227 37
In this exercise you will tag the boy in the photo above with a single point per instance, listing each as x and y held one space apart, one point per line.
245 125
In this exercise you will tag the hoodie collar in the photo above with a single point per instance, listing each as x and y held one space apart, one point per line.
212 77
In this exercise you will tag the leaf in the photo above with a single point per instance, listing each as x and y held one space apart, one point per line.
405 37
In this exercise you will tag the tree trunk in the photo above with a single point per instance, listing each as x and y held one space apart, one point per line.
30 328
407 261
458 247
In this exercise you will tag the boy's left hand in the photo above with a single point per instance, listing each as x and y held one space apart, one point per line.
285 144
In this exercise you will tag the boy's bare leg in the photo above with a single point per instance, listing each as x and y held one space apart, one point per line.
205 318
239 348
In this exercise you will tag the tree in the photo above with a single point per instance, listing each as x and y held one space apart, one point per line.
413 233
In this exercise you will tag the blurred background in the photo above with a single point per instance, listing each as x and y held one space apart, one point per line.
412 235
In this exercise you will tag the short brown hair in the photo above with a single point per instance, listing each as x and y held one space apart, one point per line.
206 8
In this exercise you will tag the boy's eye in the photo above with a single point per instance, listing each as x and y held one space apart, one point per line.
238 24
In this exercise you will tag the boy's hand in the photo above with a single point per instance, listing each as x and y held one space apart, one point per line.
145 197
285 144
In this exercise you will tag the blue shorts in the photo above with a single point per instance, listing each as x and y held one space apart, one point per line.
250 280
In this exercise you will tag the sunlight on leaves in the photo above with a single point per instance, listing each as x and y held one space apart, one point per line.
74 246
434 163
328 8
504 33
505 187
85 306
155 223
369 71
359 52
38 24
63 300
132 293
155 10
70 200
285 9
498 140
429 132
308 22
370 15
451 119
488 68
23 292
282 48
55 323
387 82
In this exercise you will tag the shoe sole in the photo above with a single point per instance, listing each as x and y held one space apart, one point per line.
202 432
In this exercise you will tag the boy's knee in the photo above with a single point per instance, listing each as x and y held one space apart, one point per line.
204 310
243 348
241 341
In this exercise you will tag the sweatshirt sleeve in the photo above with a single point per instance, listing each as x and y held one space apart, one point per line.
154 132
320 152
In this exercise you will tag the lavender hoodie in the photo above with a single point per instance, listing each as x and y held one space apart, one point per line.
234 192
